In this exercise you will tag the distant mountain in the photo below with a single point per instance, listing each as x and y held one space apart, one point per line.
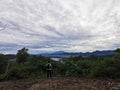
64 54
10 56
100 53
108 52
59 53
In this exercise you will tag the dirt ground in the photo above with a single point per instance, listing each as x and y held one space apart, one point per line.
62 83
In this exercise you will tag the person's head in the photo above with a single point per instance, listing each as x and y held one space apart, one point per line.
48 61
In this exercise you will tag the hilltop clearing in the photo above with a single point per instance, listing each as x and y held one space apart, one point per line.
61 83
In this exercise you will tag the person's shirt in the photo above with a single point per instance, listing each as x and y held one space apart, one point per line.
48 66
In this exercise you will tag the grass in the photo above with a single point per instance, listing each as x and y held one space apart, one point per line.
62 83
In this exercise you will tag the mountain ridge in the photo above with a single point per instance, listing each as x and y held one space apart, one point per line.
63 53
100 53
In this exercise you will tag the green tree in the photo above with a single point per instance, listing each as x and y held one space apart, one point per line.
117 50
3 63
118 53
22 55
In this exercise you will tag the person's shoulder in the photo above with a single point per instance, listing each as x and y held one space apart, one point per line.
50 64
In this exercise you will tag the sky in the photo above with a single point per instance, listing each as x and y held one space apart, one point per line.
59 25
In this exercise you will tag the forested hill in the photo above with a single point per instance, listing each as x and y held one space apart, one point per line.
10 56
101 53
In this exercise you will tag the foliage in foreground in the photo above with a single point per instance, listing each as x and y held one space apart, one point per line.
93 66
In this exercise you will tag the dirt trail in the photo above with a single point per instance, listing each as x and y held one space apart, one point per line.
62 84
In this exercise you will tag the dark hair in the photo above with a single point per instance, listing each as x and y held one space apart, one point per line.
48 61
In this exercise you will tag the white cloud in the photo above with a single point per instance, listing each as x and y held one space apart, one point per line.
50 25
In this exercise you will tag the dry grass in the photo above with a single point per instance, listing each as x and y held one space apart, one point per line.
62 84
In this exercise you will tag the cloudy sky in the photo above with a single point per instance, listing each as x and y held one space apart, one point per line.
59 25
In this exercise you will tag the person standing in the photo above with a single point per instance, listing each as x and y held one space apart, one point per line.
49 69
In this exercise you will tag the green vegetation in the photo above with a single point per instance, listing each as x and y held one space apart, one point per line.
3 63
32 67
22 55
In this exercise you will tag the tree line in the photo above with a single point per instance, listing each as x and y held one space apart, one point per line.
32 67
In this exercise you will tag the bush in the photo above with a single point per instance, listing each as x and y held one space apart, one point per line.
3 64
74 66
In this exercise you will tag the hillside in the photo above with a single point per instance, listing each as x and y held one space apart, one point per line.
63 53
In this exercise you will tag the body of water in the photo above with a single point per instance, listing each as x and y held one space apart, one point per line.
55 59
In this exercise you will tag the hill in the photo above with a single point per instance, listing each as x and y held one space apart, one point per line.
10 56
62 53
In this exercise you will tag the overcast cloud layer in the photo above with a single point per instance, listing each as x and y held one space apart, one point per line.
59 25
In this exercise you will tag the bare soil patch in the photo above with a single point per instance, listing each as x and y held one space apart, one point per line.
62 83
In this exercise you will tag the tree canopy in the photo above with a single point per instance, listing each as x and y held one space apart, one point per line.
22 55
